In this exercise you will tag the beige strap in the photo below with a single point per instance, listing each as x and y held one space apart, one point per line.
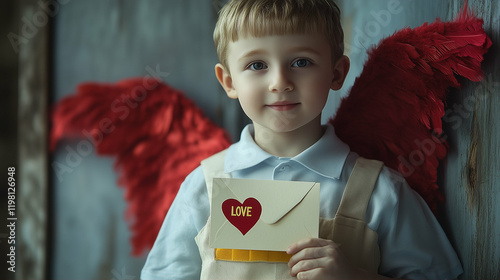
213 167
359 188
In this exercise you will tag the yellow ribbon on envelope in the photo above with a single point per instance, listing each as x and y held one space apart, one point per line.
236 255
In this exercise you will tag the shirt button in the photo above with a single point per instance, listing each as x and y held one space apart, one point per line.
285 167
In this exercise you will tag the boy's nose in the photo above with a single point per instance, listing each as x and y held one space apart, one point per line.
280 82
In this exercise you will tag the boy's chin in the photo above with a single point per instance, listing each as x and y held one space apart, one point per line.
286 127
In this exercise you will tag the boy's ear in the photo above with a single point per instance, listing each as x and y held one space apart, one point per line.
340 71
225 80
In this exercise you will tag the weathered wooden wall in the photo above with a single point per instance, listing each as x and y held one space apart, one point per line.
470 174
33 180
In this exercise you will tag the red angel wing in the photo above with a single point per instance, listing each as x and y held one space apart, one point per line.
394 109
157 135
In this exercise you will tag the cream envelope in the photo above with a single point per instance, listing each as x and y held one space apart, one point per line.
289 213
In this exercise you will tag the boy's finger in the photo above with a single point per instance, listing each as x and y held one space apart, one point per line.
310 253
304 254
307 243
305 265
308 275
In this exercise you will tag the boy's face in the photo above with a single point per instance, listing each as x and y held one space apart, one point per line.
282 82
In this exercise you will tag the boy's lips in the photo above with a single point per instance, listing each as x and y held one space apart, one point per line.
283 105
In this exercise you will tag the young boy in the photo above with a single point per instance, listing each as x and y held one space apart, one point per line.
280 58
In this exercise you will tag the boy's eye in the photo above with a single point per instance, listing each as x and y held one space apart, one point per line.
301 63
257 66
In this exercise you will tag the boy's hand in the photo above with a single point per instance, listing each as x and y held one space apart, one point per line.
316 258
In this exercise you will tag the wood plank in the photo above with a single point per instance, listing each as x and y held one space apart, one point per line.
470 175
33 131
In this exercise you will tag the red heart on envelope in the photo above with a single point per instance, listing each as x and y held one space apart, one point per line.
242 215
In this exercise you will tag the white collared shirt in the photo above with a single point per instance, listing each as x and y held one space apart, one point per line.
411 241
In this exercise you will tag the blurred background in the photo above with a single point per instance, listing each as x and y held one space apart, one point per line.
72 225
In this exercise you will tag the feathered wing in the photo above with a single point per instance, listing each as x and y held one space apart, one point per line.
394 109
157 135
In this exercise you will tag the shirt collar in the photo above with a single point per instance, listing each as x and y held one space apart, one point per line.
244 154
325 157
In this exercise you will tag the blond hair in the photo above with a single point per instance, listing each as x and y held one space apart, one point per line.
259 18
